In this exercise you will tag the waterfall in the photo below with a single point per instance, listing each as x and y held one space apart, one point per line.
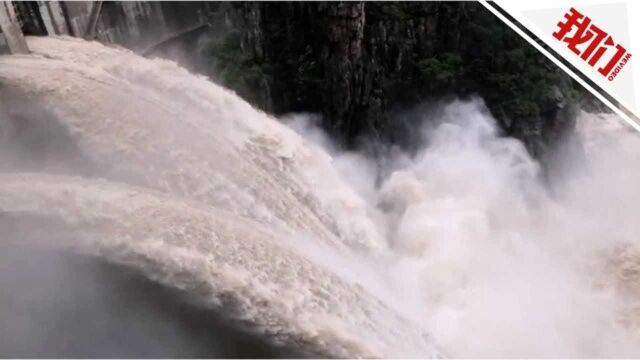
459 250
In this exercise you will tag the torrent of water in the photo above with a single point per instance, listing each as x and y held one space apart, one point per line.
459 250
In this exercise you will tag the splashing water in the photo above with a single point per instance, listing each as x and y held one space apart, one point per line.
459 250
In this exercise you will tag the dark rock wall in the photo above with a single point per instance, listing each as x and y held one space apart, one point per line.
361 65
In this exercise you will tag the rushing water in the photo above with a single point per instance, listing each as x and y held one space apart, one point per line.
459 250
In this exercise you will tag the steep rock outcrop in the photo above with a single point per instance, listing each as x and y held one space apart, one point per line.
362 65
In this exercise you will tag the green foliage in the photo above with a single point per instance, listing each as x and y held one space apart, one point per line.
441 72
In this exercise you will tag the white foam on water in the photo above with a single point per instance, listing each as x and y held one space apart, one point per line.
460 249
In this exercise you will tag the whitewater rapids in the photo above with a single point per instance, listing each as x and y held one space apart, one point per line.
460 250
216 193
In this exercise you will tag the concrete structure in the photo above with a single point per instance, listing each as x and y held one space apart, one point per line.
53 17
11 29
142 26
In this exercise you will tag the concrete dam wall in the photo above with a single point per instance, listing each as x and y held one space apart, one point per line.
134 24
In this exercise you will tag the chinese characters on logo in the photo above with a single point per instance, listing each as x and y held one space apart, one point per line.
593 44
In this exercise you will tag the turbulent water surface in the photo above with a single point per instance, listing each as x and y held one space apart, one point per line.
459 250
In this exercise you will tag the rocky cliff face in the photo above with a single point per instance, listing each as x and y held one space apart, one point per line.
362 65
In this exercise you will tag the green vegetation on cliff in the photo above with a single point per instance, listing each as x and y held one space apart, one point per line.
361 64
